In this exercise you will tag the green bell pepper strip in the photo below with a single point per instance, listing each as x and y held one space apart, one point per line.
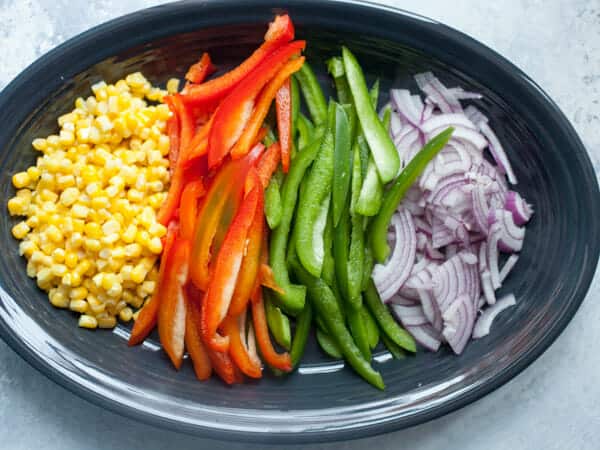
382 148
327 307
374 94
342 163
370 198
341 245
328 345
295 99
293 298
356 181
387 118
313 95
303 322
306 131
359 332
394 349
279 324
269 138
368 265
356 259
335 67
273 208
385 320
393 196
311 204
372 328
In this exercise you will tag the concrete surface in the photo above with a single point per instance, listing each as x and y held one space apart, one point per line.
555 404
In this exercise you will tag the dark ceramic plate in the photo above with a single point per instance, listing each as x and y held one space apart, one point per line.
322 400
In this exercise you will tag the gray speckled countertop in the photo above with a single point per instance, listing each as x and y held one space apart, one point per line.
555 404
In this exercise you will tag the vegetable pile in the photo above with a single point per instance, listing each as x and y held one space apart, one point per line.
278 216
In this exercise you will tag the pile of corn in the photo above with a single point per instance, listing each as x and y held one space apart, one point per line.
90 235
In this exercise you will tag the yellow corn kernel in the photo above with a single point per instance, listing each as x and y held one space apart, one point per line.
76 240
79 293
69 196
40 144
86 321
93 230
110 227
125 314
173 85
58 299
33 221
155 245
17 206
157 229
44 276
65 181
27 248
21 180
66 138
58 255
20 230
72 279
133 195
34 173
80 211
54 234
83 267
138 273
71 259
110 239
58 270
93 245
133 250
80 306
31 270
107 322
142 237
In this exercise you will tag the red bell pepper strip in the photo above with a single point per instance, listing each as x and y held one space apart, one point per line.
268 163
198 72
223 366
193 340
249 364
186 130
146 320
280 31
188 209
248 276
267 279
210 223
173 133
263 101
225 274
283 103
235 110
281 361
172 309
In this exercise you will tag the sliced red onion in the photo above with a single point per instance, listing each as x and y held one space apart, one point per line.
511 238
497 152
475 115
389 277
446 120
405 106
508 266
519 208
459 319
396 125
409 315
484 323
426 335
492 254
449 281
401 300
488 289
438 93
480 208
460 94
463 134
441 235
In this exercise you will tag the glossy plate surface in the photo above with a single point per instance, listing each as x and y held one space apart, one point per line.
323 400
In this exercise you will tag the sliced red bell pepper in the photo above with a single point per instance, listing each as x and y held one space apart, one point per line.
193 340
268 163
283 103
215 215
186 130
234 329
281 361
225 274
223 366
188 208
263 103
146 320
173 133
267 279
172 309
280 31
235 110
248 276
198 72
